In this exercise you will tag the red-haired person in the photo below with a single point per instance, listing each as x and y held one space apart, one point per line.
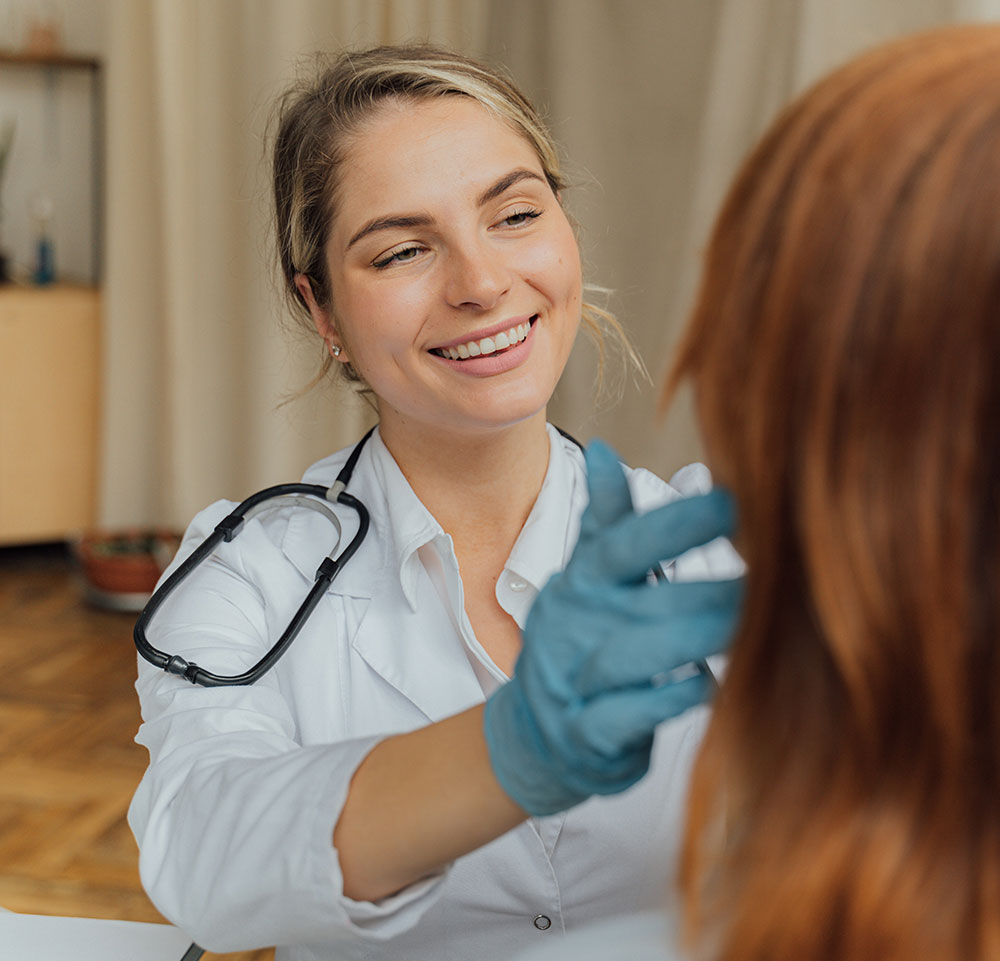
845 356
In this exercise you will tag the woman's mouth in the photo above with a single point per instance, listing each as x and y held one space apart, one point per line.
496 344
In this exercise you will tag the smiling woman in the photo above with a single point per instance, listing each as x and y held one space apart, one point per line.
359 801
449 235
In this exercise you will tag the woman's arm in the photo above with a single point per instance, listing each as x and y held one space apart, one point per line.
577 718
417 802
234 812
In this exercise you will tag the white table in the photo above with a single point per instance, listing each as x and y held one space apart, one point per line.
35 937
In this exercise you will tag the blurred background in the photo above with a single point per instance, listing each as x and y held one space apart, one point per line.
142 165
143 341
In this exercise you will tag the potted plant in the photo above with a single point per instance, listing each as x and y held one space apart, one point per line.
121 568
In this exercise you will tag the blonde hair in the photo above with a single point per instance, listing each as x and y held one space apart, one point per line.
316 121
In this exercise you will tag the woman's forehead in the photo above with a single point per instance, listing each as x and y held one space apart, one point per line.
424 150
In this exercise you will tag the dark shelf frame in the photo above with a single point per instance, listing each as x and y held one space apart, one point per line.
62 61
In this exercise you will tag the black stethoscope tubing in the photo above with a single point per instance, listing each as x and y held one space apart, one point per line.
225 531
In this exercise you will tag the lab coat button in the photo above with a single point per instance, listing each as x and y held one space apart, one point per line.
517 585
543 923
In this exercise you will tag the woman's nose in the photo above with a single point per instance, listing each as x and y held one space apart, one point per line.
477 277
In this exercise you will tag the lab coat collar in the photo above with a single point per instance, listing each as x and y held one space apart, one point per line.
542 547
400 524
307 532
412 525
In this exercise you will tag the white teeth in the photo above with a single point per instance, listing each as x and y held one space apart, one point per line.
488 345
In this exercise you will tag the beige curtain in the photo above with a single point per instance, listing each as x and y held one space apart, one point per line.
654 101
657 101
196 360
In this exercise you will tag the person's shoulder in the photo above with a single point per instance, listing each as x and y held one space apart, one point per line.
649 490
203 525
648 936
275 531
325 470
714 560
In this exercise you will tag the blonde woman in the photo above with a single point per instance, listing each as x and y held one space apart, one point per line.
359 801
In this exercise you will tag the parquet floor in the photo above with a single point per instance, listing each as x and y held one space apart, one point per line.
68 765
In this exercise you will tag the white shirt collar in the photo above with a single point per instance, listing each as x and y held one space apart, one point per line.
541 548
401 524
408 522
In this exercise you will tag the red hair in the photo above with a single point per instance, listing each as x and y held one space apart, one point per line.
845 357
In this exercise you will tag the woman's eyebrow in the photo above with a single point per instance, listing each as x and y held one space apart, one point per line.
387 223
422 220
506 182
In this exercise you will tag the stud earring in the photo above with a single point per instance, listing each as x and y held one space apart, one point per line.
335 350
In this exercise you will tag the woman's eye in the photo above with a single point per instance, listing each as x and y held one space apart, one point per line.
520 217
398 256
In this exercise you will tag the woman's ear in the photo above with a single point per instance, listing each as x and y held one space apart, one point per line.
321 317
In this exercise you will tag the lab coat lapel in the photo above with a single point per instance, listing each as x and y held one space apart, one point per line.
421 658
548 830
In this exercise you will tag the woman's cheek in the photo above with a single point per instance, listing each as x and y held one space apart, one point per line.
556 270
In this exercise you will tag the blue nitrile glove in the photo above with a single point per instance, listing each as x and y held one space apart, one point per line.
592 680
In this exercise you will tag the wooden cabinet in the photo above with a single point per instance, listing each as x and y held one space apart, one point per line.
49 407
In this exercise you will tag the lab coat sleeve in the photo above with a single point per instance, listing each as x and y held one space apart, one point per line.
234 817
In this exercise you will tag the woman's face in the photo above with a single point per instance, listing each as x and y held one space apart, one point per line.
455 275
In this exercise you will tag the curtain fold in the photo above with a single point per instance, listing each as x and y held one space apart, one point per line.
198 354
655 102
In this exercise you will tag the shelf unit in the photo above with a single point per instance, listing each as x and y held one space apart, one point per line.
49 411
18 60
50 380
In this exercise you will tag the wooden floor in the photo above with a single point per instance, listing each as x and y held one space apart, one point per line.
68 765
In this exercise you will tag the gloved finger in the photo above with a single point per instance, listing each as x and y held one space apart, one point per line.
635 658
624 604
624 552
617 723
610 499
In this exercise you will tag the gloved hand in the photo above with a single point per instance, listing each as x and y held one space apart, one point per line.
593 681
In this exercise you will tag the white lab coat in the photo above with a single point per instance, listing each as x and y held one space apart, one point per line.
645 936
235 816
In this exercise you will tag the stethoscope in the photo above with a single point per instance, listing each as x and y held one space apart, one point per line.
311 496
